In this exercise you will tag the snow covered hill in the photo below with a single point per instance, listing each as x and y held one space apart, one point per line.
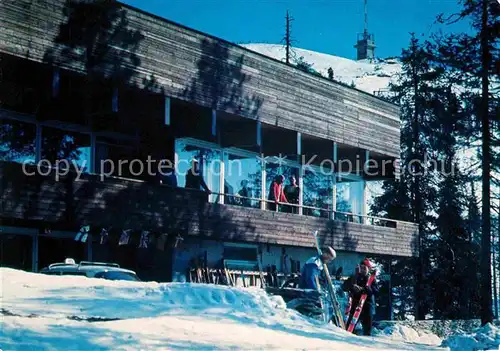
369 77
41 312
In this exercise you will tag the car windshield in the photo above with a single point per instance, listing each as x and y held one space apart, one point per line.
114 275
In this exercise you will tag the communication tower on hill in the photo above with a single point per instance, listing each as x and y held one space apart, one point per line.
366 41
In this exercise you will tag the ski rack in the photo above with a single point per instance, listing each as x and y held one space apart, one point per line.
224 276
233 277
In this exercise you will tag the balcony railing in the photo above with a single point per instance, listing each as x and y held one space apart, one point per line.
311 211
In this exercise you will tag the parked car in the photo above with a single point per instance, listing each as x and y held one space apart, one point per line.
110 271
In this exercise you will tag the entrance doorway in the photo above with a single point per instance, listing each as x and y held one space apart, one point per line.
16 251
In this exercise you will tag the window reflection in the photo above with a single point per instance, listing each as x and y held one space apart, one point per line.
318 188
349 199
243 180
208 168
60 145
17 141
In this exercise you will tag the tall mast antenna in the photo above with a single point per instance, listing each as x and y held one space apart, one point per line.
366 18
365 44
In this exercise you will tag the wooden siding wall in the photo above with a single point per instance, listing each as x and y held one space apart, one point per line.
211 72
137 205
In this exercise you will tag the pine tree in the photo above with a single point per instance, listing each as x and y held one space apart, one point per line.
288 38
330 73
473 216
414 90
408 198
467 58
454 254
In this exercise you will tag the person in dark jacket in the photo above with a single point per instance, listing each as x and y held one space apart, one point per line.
194 179
292 194
356 286
313 268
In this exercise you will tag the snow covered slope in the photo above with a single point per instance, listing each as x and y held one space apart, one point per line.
369 77
484 338
42 312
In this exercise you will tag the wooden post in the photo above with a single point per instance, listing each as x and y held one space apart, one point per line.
391 316
89 247
34 252
167 111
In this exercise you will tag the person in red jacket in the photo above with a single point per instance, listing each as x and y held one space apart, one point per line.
277 193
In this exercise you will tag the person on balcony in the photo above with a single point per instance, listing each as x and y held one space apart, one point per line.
194 179
276 193
292 194
245 194
229 198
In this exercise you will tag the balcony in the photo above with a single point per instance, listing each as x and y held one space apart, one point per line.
68 202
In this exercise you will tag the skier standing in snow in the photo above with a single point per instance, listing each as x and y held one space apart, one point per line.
356 286
313 268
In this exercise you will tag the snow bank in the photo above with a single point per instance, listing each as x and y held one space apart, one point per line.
404 333
82 297
77 313
484 338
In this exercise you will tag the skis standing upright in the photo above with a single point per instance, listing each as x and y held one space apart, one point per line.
337 314
357 312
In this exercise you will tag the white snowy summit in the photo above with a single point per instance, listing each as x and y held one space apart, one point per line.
367 76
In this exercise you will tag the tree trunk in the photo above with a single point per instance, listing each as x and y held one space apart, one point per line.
417 199
287 38
497 262
486 312
495 295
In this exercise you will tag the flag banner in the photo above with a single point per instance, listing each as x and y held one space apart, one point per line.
82 235
178 240
124 237
144 241
104 236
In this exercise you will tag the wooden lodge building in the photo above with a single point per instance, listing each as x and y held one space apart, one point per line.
99 83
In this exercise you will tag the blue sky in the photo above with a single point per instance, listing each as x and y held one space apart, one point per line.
328 26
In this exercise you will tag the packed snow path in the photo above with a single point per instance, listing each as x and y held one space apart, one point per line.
41 312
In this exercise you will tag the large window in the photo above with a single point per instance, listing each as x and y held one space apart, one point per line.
208 164
58 145
318 187
350 198
243 179
17 141
119 158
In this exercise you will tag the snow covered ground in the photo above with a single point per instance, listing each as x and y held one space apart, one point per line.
369 77
484 338
41 312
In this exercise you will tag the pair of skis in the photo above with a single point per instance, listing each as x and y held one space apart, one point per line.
351 323
338 318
